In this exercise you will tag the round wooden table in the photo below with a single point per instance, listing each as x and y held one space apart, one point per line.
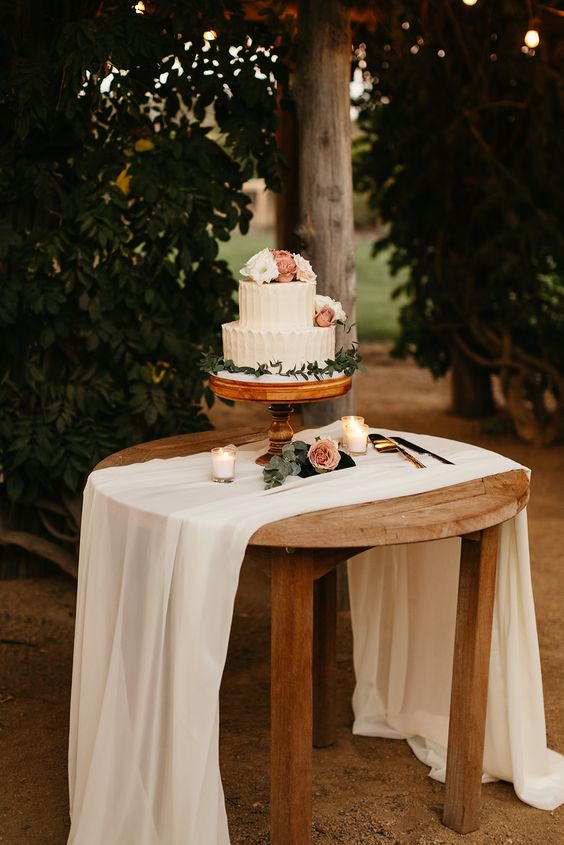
303 650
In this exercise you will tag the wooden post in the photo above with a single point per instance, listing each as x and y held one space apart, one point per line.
291 697
288 200
321 93
465 756
325 660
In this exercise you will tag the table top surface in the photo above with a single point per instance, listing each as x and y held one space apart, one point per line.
447 512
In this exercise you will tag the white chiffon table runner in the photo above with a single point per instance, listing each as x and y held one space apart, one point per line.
161 549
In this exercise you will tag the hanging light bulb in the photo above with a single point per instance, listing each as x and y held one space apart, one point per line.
469 2
532 37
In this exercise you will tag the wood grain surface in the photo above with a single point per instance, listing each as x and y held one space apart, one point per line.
465 757
293 391
291 698
448 512
180 446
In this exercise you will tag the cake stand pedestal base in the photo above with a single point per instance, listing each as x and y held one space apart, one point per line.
282 397
280 432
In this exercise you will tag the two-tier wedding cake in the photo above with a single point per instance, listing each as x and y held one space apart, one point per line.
281 320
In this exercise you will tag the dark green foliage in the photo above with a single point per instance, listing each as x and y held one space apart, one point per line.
112 201
346 361
462 157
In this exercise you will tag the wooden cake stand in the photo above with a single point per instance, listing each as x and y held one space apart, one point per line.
281 397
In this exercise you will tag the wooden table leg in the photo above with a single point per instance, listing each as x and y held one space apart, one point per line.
468 700
291 697
325 660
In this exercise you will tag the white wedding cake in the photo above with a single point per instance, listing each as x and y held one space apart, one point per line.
280 317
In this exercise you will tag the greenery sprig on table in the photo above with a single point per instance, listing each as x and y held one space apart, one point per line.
295 461
346 361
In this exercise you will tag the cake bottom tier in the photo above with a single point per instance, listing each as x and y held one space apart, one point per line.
293 347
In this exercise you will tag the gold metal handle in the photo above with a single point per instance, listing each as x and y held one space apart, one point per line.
389 444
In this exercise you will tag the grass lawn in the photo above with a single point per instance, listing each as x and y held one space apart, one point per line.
377 313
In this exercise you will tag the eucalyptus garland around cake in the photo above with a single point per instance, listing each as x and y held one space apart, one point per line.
345 362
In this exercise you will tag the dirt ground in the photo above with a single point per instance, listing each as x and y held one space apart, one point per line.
365 790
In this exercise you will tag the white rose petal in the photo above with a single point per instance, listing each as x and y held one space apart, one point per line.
326 301
260 267
305 270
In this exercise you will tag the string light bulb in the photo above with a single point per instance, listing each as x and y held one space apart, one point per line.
140 7
532 37
210 35
469 2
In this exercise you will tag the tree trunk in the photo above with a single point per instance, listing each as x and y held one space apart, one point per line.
471 390
288 200
326 231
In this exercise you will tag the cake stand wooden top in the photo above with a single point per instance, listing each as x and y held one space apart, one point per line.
293 391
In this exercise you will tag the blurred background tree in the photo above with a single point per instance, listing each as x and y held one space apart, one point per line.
462 158
114 192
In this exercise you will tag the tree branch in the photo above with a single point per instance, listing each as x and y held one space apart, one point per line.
60 535
41 547
74 507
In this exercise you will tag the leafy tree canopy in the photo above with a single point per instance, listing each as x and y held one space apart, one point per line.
126 139
462 158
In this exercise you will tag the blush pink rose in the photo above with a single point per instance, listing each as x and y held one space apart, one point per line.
324 455
287 267
325 317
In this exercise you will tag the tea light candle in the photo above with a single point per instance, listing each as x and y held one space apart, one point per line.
348 423
223 463
357 435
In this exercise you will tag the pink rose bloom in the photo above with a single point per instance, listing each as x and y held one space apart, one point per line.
287 268
324 455
325 317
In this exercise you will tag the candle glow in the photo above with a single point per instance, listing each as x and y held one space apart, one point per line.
354 434
223 463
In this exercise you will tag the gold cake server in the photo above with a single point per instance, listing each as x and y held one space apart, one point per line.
382 443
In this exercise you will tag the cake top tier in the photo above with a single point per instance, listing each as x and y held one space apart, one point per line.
277 292
277 265
277 306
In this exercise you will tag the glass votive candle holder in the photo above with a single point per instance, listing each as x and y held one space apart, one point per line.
223 464
346 423
357 438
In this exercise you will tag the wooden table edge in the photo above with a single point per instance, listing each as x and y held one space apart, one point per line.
492 508
181 446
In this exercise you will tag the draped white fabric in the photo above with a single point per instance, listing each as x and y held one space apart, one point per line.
403 624
161 549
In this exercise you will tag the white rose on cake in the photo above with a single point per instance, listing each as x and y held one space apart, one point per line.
260 267
328 311
305 271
